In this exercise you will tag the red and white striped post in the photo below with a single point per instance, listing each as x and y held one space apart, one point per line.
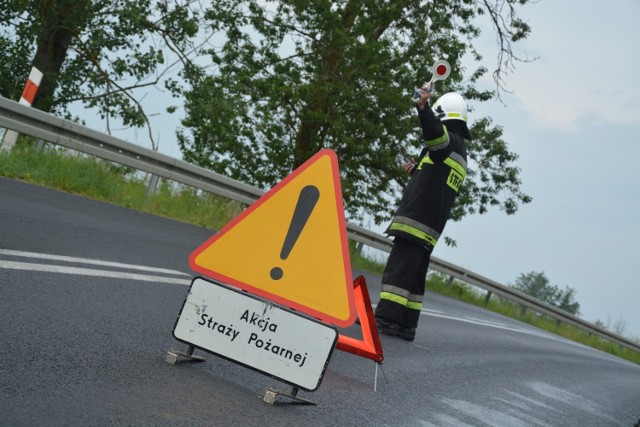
28 95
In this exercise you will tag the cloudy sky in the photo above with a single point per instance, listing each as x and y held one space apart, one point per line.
574 120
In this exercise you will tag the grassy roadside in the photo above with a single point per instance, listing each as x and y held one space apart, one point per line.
108 182
97 179
459 290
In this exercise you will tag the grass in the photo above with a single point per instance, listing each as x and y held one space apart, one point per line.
88 176
85 175
461 291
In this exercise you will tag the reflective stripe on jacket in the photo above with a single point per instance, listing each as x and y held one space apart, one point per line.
435 182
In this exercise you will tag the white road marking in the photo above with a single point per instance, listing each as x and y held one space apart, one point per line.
434 313
537 333
23 254
485 321
49 268
482 323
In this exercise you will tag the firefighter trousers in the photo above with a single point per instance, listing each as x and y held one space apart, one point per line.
403 283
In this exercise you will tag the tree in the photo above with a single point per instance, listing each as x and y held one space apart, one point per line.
98 52
292 77
536 284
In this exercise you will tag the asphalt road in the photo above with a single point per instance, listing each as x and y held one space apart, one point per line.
89 294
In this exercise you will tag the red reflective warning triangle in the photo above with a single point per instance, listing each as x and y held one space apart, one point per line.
370 346
290 246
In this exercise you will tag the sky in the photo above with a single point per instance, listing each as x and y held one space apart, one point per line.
573 117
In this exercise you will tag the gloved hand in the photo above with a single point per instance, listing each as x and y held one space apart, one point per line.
425 93
409 165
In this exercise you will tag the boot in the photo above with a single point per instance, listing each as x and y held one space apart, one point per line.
408 334
386 327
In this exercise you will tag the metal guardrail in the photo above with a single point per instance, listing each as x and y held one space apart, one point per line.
66 133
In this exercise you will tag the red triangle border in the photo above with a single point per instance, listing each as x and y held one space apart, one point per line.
370 346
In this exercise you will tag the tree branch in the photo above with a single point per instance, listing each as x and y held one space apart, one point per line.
110 81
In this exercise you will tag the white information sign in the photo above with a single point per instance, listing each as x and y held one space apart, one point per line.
256 333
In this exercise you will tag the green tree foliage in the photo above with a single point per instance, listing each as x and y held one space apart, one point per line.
292 77
286 78
536 284
98 52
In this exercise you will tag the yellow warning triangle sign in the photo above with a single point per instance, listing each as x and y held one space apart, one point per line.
290 246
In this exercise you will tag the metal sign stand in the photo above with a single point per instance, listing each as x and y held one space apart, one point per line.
270 397
172 356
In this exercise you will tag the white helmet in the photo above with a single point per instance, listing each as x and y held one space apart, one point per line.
451 106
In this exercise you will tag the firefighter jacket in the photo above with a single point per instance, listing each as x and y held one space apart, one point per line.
434 184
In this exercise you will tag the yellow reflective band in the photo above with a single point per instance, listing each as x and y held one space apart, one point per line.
441 141
456 116
414 232
414 305
449 162
455 166
393 297
424 160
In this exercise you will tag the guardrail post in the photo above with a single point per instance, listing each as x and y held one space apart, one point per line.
9 140
450 282
153 184
359 248
486 299
27 97
523 310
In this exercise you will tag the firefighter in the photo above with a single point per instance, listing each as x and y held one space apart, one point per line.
423 211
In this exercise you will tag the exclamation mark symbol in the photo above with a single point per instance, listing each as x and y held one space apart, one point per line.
307 200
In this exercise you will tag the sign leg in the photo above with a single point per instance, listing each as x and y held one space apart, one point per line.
172 356
271 395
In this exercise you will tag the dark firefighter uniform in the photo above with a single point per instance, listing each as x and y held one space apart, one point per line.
420 219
